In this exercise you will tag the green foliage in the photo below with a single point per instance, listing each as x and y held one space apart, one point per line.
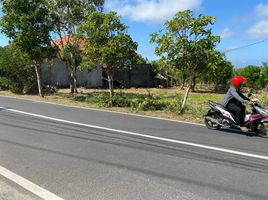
107 44
149 103
220 75
252 74
5 83
9 84
264 99
188 44
141 102
264 75
28 24
17 75
12 59
142 60
67 16
175 104
71 55
156 68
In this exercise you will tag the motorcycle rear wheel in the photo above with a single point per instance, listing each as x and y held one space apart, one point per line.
262 130
211 125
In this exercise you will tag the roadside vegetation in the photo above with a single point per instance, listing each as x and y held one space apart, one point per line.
88 38
157 102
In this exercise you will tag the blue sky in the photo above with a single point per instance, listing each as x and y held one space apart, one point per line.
239 23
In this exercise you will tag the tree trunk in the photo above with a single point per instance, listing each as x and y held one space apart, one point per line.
185 98
39 81
73 80
193 84
111 85
167 81
71 83
171 81
74 67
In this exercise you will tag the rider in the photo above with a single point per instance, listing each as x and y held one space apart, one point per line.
234 100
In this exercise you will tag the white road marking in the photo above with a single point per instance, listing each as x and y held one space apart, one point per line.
148 136
109 111
28 185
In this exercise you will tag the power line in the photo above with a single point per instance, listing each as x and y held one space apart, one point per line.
245 46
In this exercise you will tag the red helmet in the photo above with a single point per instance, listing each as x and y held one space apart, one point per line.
238 80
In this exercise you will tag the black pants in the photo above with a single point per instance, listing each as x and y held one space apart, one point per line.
239 111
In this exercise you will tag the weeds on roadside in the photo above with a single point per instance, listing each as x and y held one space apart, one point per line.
140 102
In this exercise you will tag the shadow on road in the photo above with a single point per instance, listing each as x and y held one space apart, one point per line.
233 131
2 109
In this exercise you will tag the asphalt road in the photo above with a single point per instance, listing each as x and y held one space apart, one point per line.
94 155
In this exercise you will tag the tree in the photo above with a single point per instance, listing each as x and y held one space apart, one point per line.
12 59
15 71
164 70
107 44
252 74
188 44
264 75
220 74
68 15
28 24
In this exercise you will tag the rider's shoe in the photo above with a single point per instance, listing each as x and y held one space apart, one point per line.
244 129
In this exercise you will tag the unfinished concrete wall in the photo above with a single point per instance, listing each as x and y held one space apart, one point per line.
58 75
138 76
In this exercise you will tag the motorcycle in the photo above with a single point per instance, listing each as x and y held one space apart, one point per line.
219 117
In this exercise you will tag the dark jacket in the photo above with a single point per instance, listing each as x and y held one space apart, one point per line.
234 95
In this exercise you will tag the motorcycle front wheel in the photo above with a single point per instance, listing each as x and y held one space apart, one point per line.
262 129
210 124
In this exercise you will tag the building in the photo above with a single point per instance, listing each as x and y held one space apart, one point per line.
58 75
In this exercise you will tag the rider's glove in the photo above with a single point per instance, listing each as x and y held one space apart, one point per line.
250 103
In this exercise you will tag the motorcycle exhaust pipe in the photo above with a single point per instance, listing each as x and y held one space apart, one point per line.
213 120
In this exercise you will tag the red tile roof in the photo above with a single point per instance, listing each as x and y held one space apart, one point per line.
67 39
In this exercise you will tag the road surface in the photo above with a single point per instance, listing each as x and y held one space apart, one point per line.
50 151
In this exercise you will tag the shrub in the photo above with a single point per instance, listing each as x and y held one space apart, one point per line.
175 104
143 102
6 83
264 99
50 89
120 100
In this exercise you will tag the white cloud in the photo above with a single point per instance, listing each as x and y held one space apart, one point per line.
156 11
260 29
262 10
226 33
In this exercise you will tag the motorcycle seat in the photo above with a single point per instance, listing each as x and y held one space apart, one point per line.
217 104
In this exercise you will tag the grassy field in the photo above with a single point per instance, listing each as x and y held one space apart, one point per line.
163 103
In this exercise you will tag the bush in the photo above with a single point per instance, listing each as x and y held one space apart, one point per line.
5 83
142 102
99 98
30 88
175 105
264 99
50 89
120 100
148 103
8 84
